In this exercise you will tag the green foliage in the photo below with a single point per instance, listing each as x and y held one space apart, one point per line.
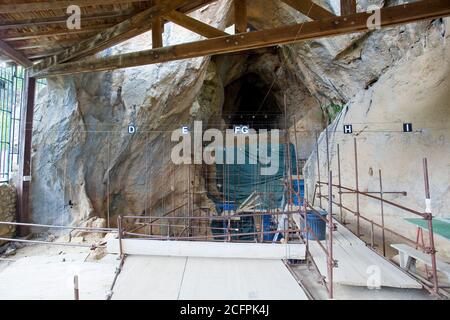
331 111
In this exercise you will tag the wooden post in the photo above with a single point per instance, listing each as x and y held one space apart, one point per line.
157 32
240 15
26 133
348 7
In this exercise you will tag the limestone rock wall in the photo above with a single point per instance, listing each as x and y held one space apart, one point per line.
86 164
8 201
416 90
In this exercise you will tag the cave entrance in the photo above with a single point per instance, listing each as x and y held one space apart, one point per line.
249 100
240 189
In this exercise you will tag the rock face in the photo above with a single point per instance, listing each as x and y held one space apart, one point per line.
7 210
86 163
416 90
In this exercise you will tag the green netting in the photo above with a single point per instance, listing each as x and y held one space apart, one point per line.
238 181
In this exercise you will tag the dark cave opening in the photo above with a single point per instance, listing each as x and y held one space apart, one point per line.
250 101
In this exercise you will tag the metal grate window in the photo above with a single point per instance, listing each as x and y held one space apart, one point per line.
11 100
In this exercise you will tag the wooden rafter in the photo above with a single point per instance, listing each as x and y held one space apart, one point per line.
405 13
24 6
59 44
348 7
194 25
125 30
240 16
14 55
19 35
309 9
50 21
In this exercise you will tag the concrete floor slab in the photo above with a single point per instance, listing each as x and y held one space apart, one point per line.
51 278
152 277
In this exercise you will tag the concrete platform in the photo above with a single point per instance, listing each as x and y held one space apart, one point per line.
202 249
189 278
51 278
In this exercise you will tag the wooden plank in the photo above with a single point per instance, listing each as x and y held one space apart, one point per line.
47 45
24 6
194 25
348 7
15 55
418 255
127 29
355 260
208 249
390 16
309 9
12 35
33 22
240 16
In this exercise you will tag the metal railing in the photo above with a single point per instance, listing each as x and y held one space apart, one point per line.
92 246
379 196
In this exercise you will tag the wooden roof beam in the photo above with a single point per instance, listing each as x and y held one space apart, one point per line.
390 16
194 25
24 6
125 30
309 9
14 55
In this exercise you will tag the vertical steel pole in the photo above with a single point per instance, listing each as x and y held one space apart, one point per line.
372 235
289 169
189 201
330 235
318 171
431 250
328 150
383 236
340 184
119 226
358 230
76 291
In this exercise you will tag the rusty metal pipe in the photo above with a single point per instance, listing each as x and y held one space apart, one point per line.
330 261
383 235
431 250
358 227
378 198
